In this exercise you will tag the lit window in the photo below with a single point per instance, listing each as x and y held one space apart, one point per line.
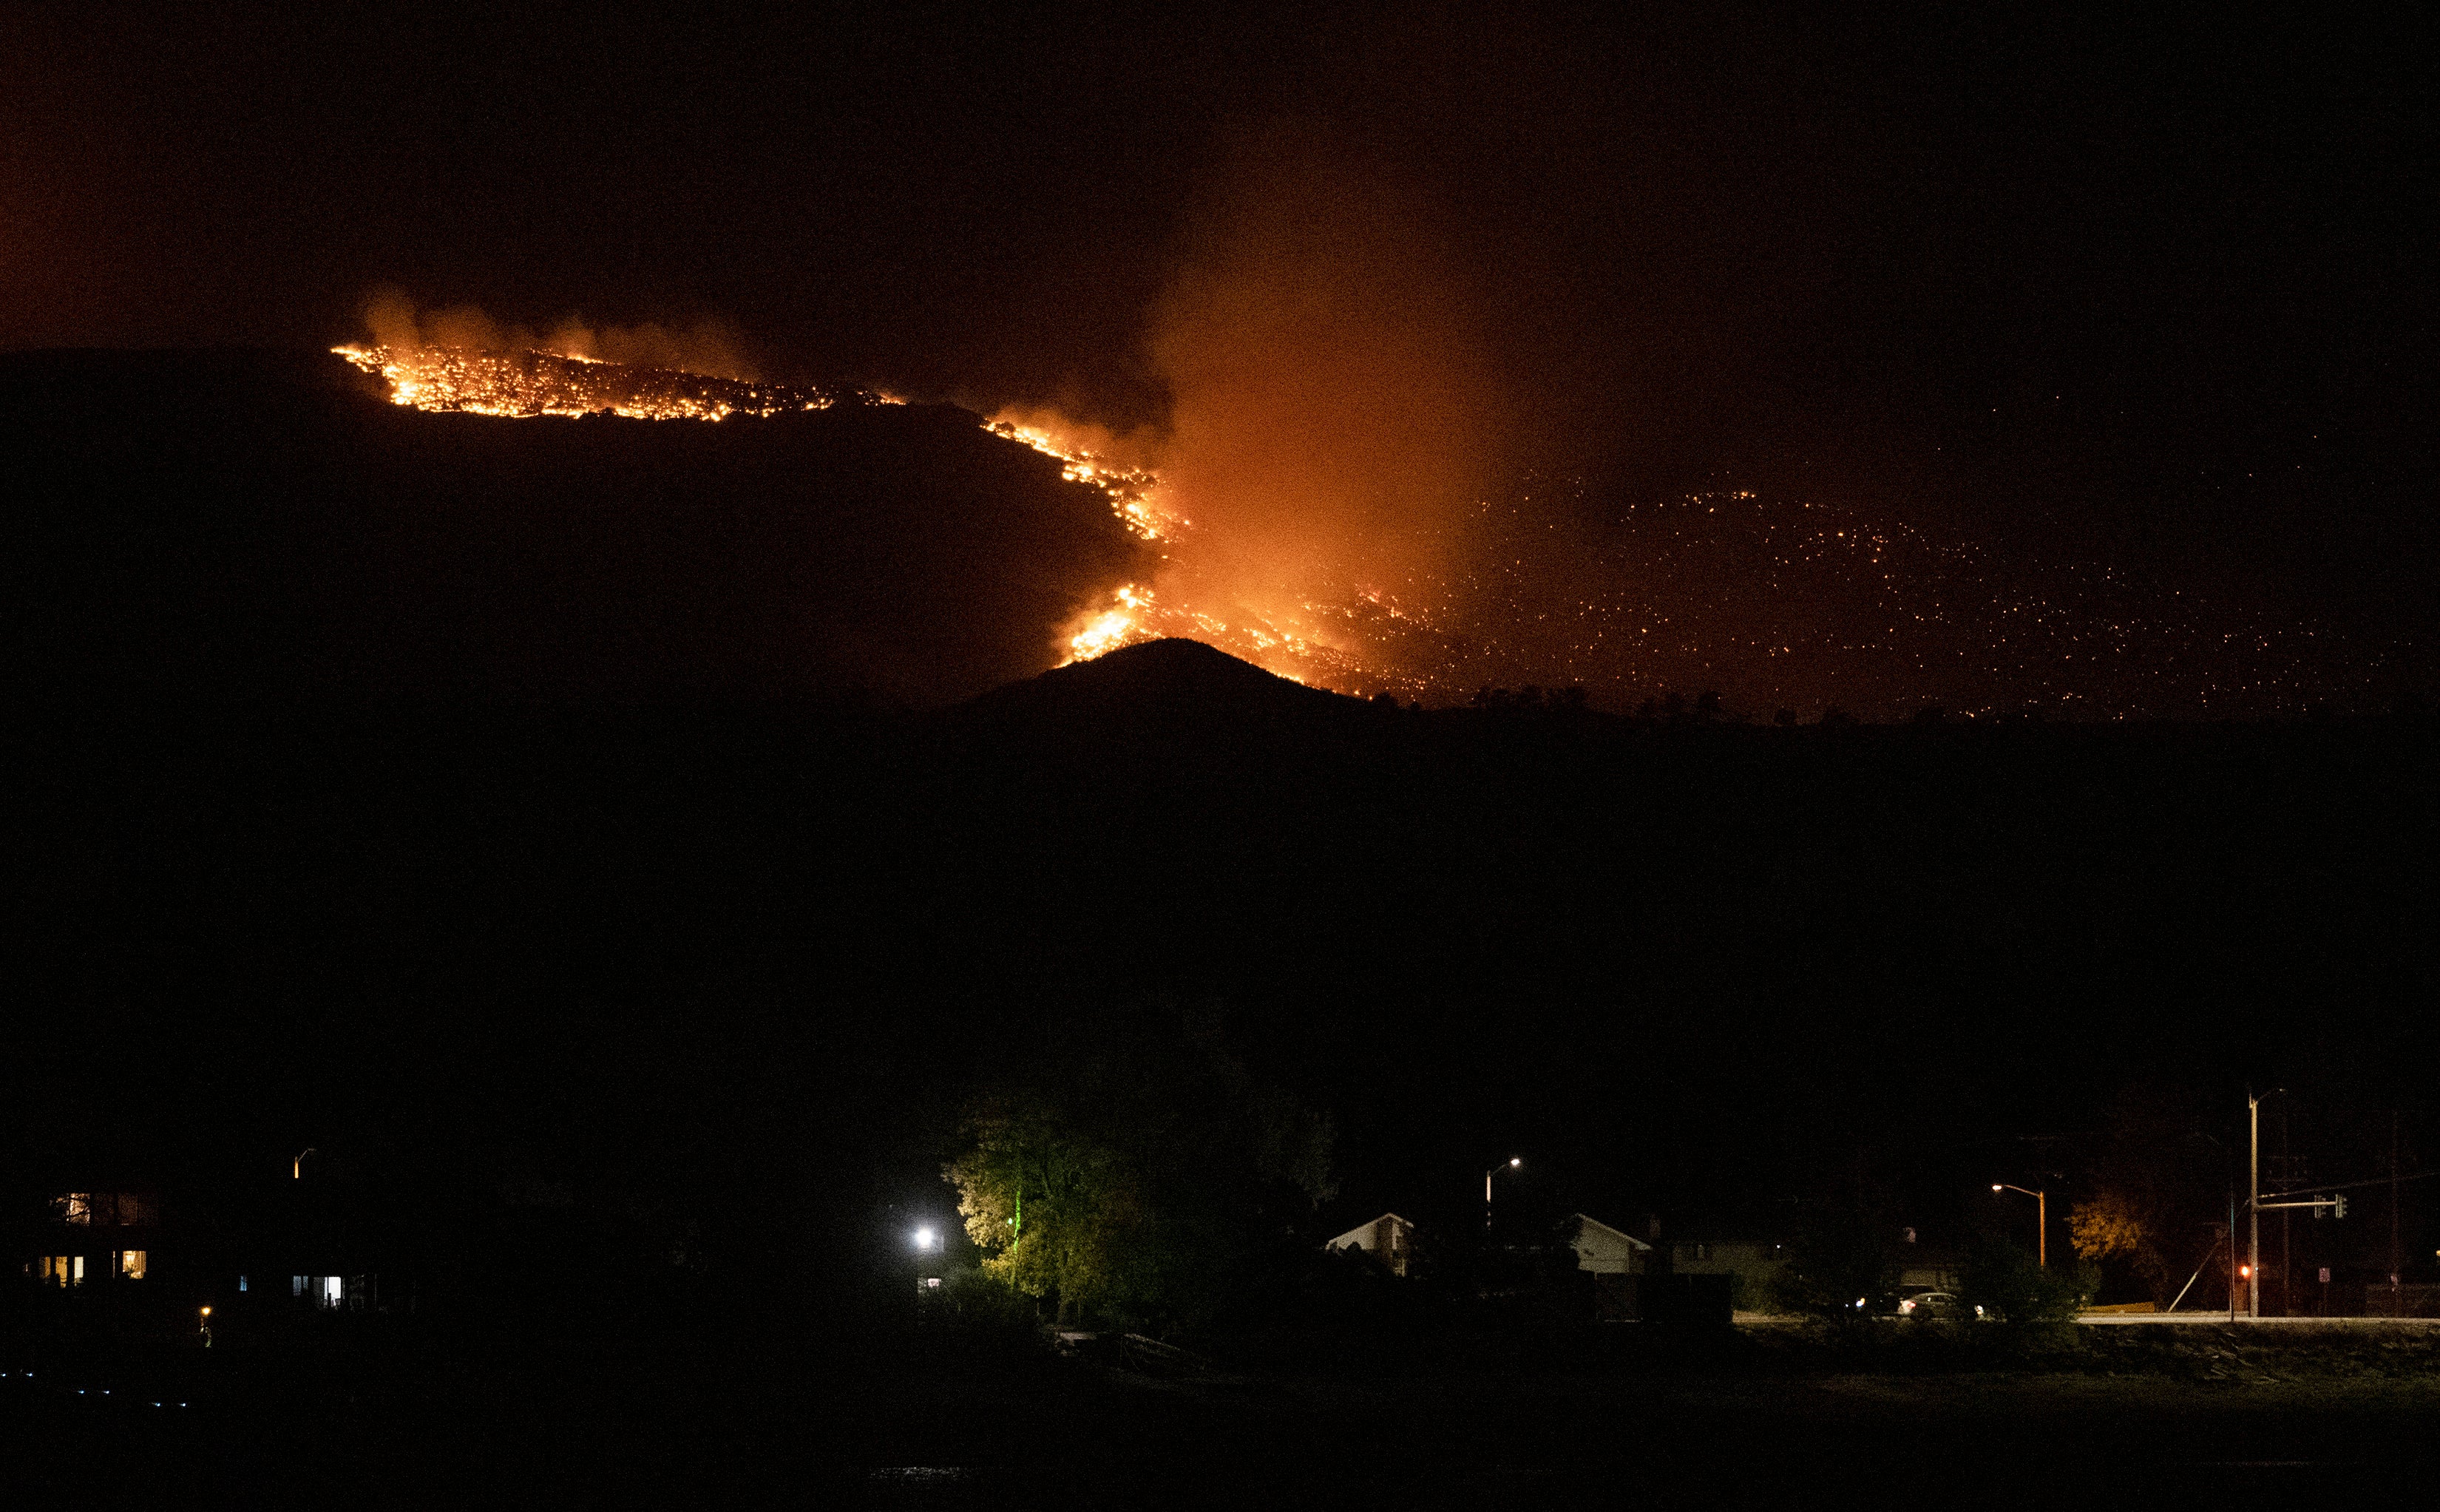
296 1285
131 1264
77 1207
332 1288
240 1283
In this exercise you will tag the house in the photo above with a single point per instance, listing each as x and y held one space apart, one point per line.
92 1237
1604 1251
1388 1238
1614 1259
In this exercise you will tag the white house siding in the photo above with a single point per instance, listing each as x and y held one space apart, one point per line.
1388 1238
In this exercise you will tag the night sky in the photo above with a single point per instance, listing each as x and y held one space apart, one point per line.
2117 323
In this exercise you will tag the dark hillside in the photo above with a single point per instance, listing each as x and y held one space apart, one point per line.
1728 949
1702 956
255 527
1162 691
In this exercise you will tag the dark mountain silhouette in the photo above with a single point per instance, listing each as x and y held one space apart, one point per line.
1176 694
1158 679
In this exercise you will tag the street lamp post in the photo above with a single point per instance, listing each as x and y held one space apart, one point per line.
1514 1163
2042 1216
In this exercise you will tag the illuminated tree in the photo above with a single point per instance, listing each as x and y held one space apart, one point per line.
1130 1179
1053 1213
2129 1223
2108 1226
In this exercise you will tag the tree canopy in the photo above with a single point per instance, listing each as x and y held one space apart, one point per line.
1128 1171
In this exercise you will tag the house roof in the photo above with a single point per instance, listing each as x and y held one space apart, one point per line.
1352 1235
1589 1221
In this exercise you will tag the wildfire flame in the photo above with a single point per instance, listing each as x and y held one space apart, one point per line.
1138 612
1133 490
532 381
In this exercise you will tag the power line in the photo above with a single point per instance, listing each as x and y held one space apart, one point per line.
2347 1186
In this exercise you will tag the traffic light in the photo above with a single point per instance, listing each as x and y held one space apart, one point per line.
2341 1211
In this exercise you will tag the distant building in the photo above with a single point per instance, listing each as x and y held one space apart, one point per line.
93 1237
1604 1251
1614 1259
1388 1238
298 1240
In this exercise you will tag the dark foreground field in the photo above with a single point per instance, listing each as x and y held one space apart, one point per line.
912 1419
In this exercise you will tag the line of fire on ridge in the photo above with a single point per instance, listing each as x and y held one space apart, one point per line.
527 384
521 385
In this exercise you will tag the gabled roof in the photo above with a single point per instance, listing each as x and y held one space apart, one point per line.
1351 1236
1592 1222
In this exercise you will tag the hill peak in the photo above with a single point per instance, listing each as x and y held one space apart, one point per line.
1169 682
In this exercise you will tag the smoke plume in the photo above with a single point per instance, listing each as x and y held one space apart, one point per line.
1334 401
709 346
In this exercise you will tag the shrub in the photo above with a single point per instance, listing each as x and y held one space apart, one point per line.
984 1302
2010 1286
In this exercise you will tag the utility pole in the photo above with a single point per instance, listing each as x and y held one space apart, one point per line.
2396 1260
2254 1209
2287 1221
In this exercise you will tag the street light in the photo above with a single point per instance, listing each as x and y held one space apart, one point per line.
1514 1163
2042 1216
926 1239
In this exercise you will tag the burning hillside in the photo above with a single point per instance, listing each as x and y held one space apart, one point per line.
534 383
522 383
1775 603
